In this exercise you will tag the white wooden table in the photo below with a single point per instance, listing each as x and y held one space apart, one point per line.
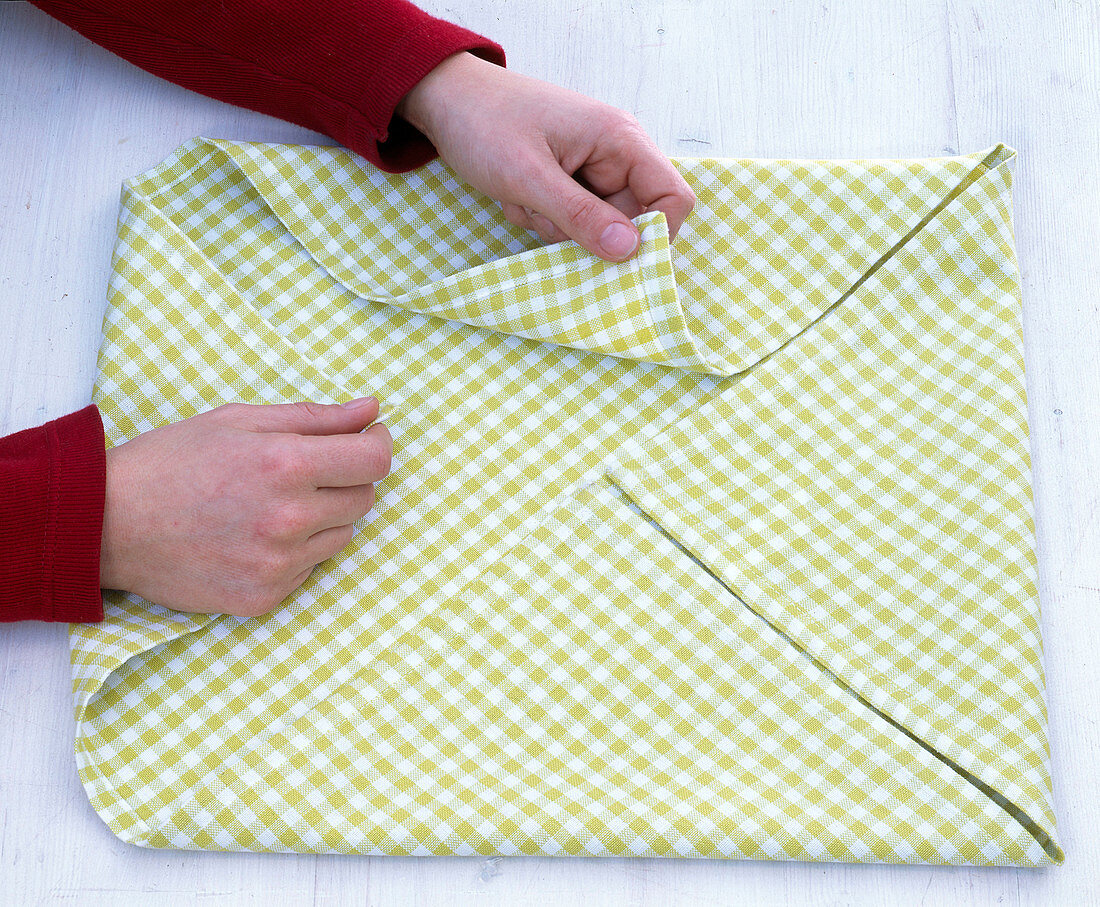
706 77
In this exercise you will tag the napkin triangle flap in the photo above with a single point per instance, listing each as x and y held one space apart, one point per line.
867 491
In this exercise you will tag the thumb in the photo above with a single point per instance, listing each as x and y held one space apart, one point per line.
593 223
306 418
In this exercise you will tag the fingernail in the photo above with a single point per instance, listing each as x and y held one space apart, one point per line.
360 403
618 240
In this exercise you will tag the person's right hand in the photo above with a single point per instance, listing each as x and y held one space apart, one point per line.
230 510
561 164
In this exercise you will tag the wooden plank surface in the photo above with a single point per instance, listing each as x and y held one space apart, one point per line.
707 78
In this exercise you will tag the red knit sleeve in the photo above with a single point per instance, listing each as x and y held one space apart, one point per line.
52 481
336 66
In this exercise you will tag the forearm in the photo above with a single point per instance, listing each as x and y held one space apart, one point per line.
339 67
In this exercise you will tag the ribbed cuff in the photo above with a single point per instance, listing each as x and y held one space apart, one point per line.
402 147
79 462
52 482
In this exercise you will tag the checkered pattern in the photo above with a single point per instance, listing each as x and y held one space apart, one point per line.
725 551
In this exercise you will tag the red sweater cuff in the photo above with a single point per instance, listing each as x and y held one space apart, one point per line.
51 520
401 146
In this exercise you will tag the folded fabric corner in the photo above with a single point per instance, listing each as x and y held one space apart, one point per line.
867 492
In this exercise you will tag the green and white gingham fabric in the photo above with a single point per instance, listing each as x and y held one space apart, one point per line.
725 551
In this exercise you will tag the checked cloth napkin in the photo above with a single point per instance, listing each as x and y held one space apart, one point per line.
725 551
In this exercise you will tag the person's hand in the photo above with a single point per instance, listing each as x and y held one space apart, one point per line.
559 163
229 511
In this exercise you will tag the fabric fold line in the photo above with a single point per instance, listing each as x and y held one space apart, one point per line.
629 310
1031 825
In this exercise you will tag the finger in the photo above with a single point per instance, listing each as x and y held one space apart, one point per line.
625 201
326 543
658 186
532 221
339 461
545 228
628 159
590 221
517 215
305 418
299 579
331 507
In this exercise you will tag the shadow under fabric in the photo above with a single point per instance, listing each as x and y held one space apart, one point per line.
725 551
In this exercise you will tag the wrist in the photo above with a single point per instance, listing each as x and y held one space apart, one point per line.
112 554
440 89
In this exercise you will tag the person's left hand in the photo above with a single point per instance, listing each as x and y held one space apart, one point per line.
559 163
